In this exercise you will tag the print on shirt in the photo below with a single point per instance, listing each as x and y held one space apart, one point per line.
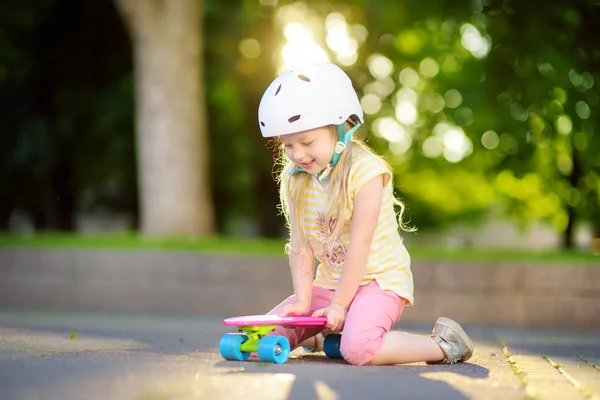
337 255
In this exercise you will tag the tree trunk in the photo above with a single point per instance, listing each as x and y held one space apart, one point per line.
175 198
569 233
271 224
574 178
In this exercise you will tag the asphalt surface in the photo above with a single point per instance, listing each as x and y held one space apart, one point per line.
47 355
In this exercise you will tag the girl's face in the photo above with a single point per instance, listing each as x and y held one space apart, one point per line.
311 150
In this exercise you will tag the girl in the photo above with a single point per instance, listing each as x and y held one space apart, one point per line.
337 197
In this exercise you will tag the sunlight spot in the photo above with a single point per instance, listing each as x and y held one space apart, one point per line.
406 113
296 32
382 88
582 109
432 147
250 48
409 77
290 13
380 66
393 132
370 103
335 20
400 147
360 32
575 78
409 41
301 48
490 140
536 123
504 98
563 124
552 109
559 94
588 80
463 116
546 69
339 39
429 67
434 102
440 128
518 112
406 95
456 145
324 392
564 163
453 98
472 40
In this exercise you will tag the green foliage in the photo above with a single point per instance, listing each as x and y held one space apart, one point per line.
527 106
67 141
264 246
545 87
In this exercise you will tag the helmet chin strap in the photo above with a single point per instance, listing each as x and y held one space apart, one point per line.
340 146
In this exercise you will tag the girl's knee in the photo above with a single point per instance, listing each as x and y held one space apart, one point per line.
361 347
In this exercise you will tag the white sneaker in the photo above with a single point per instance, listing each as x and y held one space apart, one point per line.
453 340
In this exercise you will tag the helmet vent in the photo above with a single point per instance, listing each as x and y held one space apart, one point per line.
263 124
294 118
278 90
304 78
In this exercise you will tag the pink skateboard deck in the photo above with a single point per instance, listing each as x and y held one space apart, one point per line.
258 320
254 336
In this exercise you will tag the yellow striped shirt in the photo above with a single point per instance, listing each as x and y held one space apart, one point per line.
389 261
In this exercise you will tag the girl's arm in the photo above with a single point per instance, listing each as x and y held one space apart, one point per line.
302 266
367 205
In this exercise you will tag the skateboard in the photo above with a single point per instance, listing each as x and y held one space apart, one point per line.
254 336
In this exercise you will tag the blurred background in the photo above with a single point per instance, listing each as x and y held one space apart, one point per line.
141 116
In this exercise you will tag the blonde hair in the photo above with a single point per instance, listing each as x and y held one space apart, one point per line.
295 190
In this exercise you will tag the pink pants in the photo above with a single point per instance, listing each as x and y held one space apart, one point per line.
371 315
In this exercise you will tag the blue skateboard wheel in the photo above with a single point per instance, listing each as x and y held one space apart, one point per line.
331 345
274 349
229 347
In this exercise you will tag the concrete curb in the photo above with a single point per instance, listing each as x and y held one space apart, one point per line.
551 296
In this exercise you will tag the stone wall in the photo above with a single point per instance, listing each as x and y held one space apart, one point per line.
557 296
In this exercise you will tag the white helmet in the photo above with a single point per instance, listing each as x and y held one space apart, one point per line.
306 98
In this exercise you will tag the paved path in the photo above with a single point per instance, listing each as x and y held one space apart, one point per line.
100 356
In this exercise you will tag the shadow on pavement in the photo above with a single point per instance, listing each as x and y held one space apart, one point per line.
317 376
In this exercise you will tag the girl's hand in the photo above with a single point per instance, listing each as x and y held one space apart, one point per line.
336 315
295 309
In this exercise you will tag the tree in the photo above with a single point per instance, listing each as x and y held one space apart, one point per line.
478 106
545 74
174 187
66 132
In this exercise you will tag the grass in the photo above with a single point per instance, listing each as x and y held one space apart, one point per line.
505 256
516 369
591 364
135 242
587 392
230 245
